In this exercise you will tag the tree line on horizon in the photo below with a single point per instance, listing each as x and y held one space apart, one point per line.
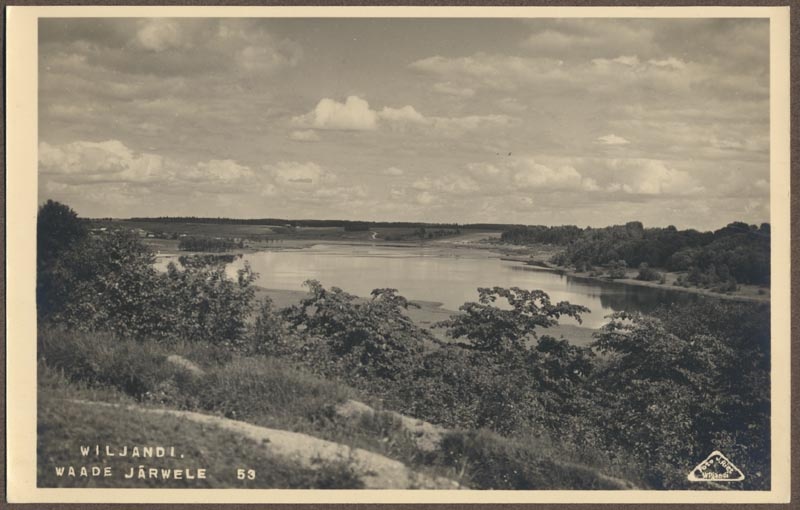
349 225
555 234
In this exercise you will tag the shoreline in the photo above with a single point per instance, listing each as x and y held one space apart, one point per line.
455 248
632 281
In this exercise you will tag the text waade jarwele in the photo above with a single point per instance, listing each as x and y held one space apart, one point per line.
130 452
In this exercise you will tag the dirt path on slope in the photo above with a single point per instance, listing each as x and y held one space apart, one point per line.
376 471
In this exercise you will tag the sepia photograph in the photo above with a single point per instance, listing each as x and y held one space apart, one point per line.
496 253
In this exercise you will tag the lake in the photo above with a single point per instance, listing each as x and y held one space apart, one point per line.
446 275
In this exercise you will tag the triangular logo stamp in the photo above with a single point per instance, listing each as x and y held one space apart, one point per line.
716 468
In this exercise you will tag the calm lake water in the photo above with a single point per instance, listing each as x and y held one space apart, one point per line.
449 276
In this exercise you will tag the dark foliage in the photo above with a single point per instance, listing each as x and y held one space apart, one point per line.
648 274
346 224
208 244
373 337
108 283
735 253
695 379
204 304
58 229
540 234
493 329
356 227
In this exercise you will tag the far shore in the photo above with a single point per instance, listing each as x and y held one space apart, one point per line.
744 293
535 257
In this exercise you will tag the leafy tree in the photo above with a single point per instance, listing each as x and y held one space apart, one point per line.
368 337
669 380
739 421
207 305
493 329
674 386
109 283
616 269
648 274
58 229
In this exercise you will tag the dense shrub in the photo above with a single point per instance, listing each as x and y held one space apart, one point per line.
368 337
691 381
715 278
648 274
356 226
204 304
616 269
270 334
506 378
108 282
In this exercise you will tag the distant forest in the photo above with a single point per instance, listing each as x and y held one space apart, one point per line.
735 253
350 225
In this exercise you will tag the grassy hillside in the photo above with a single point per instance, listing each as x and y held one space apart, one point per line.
64 426
260 390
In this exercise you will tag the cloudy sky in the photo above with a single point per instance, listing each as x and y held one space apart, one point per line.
535 121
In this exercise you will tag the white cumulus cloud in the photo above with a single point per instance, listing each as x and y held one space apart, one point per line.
352 115
107 161
533 175
355 114
404 114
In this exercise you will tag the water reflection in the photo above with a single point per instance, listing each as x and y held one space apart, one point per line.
443 276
